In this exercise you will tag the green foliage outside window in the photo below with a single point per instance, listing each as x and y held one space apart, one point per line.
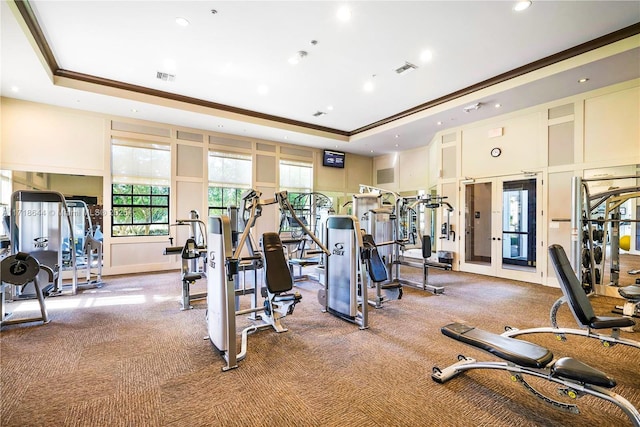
140 210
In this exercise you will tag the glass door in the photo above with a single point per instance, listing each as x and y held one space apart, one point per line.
502 228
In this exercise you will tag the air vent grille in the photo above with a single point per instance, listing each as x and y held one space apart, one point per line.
319 113
406 68
165 76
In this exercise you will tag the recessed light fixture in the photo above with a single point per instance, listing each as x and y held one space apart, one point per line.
182 22
299 56
133 110
426 55
498 105
521 5
472 107
368 86
263 89
396 145
329 107
396 136
220 126
15 89
344 13
286 137
439 123
583 80
372 151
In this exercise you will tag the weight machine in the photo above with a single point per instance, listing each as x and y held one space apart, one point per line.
193 254
37 223
406 205
88 248
590 236
225 248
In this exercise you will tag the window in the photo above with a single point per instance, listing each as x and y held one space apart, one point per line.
141 173
229 178
296 178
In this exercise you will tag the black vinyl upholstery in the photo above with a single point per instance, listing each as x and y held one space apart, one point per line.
576 297
575 370
377 272
520 352
426 247
277 274
631 292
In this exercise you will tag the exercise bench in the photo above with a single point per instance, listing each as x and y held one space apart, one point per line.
578 301
524 358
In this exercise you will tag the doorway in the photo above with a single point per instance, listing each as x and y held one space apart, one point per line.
502 227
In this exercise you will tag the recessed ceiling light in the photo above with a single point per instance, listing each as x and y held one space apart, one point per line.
295 59
583 80
372 151
15 89
439 123
498 105
396 136
182 22
263 89
133 110
426 55
330 107
220 126
396 145
368 86
521 5
286 137
344 13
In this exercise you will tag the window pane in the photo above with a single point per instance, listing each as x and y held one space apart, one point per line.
160 215
121 200
142 200
122 215
141 189
141 215
121 189
159 201
160 190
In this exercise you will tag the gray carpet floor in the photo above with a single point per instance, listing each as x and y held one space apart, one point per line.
125 355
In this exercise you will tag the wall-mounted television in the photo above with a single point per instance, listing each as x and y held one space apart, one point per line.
334 159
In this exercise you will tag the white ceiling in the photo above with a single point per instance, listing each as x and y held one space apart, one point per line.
223 58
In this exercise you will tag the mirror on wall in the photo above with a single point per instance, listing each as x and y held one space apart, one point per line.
614 194
87 189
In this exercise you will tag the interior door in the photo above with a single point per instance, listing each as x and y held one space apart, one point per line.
502 227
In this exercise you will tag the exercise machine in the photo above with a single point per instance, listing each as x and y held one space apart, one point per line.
19 270
522 358
87 246
408 204
193 255
344 295
578 301
224 261
313 210
38 220
375 210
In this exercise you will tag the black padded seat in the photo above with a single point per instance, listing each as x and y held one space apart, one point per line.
277 275
192 277
600 322
576 297
575 370
630 292
377 272
520 352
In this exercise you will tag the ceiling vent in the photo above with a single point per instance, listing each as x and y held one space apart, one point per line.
319 113
165 76
406 68
472 107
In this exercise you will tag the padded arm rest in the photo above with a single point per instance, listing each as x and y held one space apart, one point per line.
520 352
599 322
573 369
630 292
173 250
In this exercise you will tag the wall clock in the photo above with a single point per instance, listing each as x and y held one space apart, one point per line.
495 152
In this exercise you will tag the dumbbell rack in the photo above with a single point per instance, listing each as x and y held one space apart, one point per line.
591 254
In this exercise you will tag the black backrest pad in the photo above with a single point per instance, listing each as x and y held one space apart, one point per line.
277 276
377 272
522 353
426 246
570 285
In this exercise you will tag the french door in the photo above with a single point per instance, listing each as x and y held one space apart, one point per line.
501 228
